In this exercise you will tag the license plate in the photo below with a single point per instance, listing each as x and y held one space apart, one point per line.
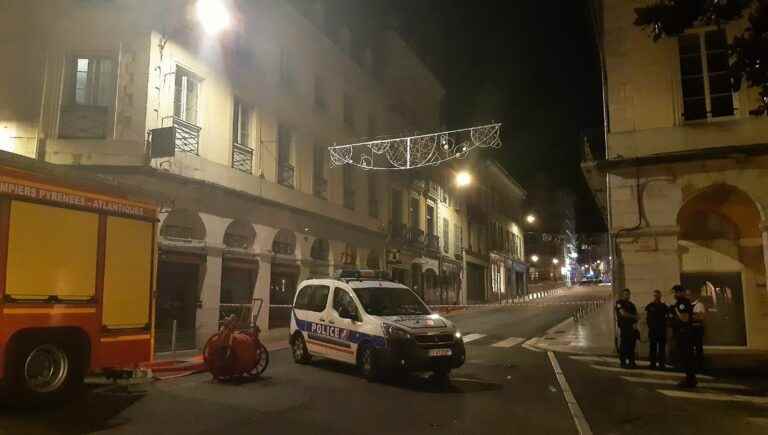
440 352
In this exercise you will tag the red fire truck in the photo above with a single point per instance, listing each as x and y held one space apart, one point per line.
77 266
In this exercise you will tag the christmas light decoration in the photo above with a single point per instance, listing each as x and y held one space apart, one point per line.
416 151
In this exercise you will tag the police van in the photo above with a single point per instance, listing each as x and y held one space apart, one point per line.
381 326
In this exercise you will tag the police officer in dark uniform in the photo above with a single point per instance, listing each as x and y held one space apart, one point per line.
626 317
681 313
656 315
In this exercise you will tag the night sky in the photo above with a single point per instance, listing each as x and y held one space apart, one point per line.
530 64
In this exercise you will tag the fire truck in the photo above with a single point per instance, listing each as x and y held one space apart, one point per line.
77 267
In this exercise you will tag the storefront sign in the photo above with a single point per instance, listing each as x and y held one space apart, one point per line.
70 198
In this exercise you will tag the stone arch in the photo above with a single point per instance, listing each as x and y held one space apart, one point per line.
722 259
183 224
284 243
320 250
239 235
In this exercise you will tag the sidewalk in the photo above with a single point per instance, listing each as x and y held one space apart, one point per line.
594 335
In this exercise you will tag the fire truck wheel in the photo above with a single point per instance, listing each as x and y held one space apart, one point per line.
299 350
42 370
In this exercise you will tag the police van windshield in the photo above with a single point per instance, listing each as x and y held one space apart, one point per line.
390 301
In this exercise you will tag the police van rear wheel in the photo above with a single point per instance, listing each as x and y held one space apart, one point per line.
299 350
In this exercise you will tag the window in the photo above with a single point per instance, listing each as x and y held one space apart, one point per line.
94 81
349 191
458 239
431 219
373 197
349 115
320 184
320 102
446 234
312 298
343 302
91 84
242 153
706 84
414 213
186 96
285 170
397 207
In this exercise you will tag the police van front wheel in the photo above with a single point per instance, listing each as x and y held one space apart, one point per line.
299 350
368 365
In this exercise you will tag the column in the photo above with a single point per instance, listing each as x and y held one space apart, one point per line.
261 289
210 297
764 231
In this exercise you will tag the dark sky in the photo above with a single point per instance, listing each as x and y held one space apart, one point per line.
530 64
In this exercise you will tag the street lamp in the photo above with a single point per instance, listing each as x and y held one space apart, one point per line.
535 258
213 16
463 179
555 261
530 218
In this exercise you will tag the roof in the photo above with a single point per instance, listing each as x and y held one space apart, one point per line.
712 153
508 179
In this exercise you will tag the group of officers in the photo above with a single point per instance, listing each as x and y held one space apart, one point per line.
686 318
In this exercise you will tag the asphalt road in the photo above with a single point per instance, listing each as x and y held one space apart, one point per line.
502 389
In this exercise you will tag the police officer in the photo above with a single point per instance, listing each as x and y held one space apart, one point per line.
626 317
697 328
656 317
681 313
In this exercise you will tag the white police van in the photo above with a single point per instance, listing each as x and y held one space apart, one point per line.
379 325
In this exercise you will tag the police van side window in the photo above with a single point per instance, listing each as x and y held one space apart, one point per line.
343 302
318 298
303 299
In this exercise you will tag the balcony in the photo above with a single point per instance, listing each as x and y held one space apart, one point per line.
187 136
283 248
433 243
349 198
397 231
285 175
320 188
83 122
414 236
242 158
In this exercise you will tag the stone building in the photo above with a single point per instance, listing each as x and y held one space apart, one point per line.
252 204
684 174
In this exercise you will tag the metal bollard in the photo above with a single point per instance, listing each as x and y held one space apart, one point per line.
173 340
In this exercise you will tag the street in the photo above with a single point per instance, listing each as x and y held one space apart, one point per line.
503 388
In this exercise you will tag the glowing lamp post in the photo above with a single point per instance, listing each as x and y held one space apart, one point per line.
463 179
214 17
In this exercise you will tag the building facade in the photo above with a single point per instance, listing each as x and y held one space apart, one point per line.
251 205
684 174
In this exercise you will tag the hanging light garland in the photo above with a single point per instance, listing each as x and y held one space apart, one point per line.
416 151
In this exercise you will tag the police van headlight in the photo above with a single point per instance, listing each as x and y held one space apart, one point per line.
391 331
457 335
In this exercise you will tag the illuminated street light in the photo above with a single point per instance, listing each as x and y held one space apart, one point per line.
530 218
534 258
463 179
555 261
213 16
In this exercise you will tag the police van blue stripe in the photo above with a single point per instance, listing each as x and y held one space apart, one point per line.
335 335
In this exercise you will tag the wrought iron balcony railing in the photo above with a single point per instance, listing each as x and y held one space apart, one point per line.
320 187
242 158
433 242
285 175
397 231
187 136
414 236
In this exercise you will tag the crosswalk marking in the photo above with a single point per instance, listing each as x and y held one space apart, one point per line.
607 359
646 372
509 342
715 396
715 385
472 337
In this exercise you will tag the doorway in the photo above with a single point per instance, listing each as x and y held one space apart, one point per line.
723 296
282 289
177 300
